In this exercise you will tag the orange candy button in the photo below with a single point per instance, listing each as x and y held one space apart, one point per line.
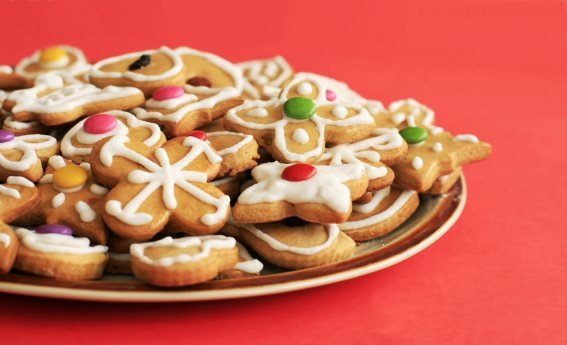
51 54
70 176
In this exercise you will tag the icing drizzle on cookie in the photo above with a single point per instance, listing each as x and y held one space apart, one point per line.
57 243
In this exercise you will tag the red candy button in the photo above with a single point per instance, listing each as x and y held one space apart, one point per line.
331 95
100 124
197 134
168 92
299 172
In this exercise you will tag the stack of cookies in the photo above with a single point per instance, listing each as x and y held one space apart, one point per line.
179 167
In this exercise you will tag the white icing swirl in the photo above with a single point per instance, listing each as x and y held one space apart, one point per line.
57 243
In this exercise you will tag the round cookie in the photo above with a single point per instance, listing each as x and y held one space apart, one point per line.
55 58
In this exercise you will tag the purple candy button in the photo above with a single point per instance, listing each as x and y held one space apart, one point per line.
54 229
6 136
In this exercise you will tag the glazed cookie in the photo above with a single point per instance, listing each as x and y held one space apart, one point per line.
432 154
296 247
444 183
52 251
166 186
296 126
22 127
385 146
23 155
239 151
183 261
263 79
56 58
385 211
146 70
247 266
8 248
402 113
78 142
10 80
319 194
17 196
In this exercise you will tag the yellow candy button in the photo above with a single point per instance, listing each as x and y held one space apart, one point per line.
51 54
70 176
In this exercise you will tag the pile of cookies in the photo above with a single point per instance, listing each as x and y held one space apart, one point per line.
171 164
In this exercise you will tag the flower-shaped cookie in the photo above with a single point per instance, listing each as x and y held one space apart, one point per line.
296 126
56 58
166 186
263 79
78 142
23 155
10 80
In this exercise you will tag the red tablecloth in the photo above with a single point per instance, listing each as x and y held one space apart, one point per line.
494 68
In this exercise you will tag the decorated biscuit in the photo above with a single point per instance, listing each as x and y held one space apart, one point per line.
9 80
52 251
183 261
165 186
263 79
247 266
385 211
319 194
444 183
56 58
239 151
8 248
296 126
23 155
22 127
78 142
146 70
402 113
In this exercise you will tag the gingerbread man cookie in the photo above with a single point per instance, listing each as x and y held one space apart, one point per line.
10 80
263 79
319 194
56 58
296 126
146 70
166 186
78 142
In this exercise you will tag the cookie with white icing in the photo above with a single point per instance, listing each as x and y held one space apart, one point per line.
401 113
319 194
183 261
146 70
78 142
155 188
55 58
18 196
8 248
385 211
9 80
263 79
247 266
239 151
296 126
52 251
443 184
23 127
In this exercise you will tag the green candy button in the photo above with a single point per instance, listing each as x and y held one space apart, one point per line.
413 135
299 108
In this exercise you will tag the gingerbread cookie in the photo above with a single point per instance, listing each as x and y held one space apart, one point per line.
17 196
22 127
56 58
239 151
146 70
165 186
319 194
183 261
444 183
296 126
263 79
52 251
403 113
247 266
8 248
78 142
23 155
385 211
10 80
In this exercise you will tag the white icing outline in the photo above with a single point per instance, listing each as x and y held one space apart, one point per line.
57 243
246 139
258 68
28 145
80 66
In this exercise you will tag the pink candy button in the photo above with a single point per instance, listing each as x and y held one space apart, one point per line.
331 95
167 92
99 124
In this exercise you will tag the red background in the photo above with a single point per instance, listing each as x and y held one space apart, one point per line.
494 68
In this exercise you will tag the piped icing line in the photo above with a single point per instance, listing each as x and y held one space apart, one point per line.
343 92
86 213
165 175
54 80
5 239
247 264
9 122
27 145
332 230
415 109
466 137
17 181
223 180
246 139
79 66
5 69
77 132
264 73
57 243
205 244
177 67
377 198
325 187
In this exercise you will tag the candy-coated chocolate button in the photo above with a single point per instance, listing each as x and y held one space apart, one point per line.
299 172
197 134
6 136
331 95
100 123
299 108
168 92
54 229
70 176
413 135
51 54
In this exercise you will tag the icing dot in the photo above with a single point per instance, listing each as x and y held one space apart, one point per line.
299 172
51 54
197 134
299 108
304 89
340 111
437 147
417 163
54 229
6 136
413 135
300 136
100 123
168 92
258 112
70 176
331 95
